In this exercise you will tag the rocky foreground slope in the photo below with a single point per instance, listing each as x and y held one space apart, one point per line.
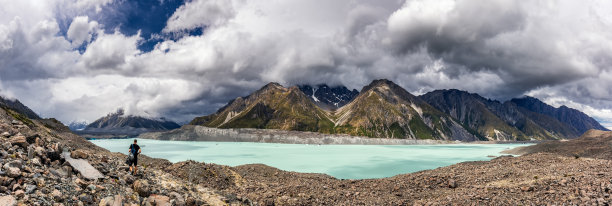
35 173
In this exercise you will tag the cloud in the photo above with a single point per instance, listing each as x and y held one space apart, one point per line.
111 52
80 30
558 50
199 13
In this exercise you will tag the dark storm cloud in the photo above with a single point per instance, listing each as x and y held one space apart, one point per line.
182 62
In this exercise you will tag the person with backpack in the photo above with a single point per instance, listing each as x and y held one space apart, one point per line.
134 151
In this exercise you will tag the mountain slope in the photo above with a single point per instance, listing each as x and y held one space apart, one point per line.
472 111
271 107
496 120
525 118
384 109
578 121
329 98
120 124
18 107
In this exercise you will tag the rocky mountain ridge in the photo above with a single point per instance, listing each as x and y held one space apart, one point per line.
329 98
384 109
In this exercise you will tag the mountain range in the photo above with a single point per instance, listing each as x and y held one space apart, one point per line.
120 124
383 109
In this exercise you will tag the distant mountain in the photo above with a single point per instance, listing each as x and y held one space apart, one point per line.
329 98
524 118
120 124
77 126
384 109
578 121
18 107
271 107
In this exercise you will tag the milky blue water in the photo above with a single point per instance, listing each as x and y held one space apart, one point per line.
340 161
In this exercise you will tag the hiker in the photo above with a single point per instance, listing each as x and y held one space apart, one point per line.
134 150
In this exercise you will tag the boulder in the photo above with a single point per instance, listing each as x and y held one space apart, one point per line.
80 182
40 151
91 187
57 195
13 172
14 163
452 183
142 188
108 201
5 134
58 172
7 145
36 162
19 193
118 200
178 198
29 189
3 154
83 167
19 140
32 138
8 200
79 154
85 198
159 200
53 155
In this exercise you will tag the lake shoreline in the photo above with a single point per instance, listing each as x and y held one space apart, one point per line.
340 161
201 133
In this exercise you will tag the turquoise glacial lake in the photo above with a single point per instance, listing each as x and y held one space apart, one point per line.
340 161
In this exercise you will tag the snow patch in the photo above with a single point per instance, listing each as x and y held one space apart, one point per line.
313 95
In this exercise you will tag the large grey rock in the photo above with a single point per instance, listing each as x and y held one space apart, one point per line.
14 163
7 145
83 167
8 200
29 189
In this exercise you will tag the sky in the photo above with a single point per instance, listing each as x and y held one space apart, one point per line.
78 60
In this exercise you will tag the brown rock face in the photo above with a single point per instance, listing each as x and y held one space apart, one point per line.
19 140
159 200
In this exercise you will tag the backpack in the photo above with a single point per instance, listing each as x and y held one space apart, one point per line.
129 159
